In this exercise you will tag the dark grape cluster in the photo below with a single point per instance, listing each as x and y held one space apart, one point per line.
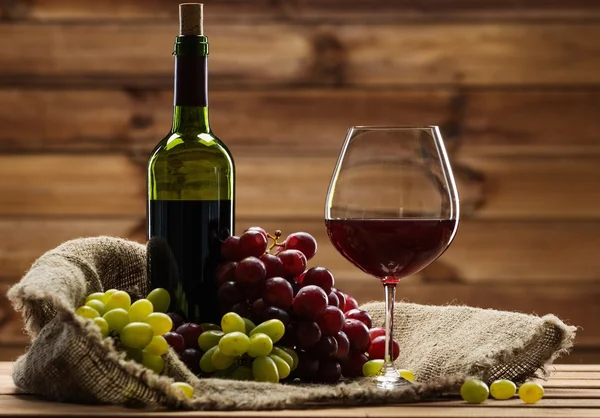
261 279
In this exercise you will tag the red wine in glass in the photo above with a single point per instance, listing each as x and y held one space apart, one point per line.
391 210
391 248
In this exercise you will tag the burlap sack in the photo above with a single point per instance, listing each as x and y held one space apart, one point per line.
69 361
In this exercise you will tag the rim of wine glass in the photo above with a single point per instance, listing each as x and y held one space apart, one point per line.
392 127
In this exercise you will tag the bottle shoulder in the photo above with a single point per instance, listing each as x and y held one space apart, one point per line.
192 146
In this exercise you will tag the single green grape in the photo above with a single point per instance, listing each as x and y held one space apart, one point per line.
140 309
531 392
136 335
160 299
159 322
183 390
207 326
232 322
103 325
284 356
206 364
274 328
209 339
407 374
260 345
474 391
158 346
372 367
242 373
221 361
95 296
117 319
264 369
283 367
234 344
155 363
503 389
108 294
97 305
293 355
249 325
134 354
118 300
87 312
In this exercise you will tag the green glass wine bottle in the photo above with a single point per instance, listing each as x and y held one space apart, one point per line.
191 180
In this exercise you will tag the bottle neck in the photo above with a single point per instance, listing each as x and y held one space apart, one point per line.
191 84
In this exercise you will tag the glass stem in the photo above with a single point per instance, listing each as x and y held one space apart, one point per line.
390 296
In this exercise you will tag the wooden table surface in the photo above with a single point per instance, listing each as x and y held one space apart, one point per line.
573 391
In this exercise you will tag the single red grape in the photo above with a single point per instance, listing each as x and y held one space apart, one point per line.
252 244
319 276
310 302
176 319
259 229
307 366
351 303
191 357
190 333
293 261
377 349
300 278
230 249
302 241
273 265
226 272
331 321
275 313
230 293
307 334
250 271
289 338
243 309
329 371
358 334
175 340
343 346
253 292
258 306
278 292
362 316
376 332
341 299
332 300
324 348
352 366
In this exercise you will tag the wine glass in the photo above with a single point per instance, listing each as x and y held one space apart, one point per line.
392 209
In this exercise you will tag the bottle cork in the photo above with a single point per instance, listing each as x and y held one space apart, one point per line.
190 19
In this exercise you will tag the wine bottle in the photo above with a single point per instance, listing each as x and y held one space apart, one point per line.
191 179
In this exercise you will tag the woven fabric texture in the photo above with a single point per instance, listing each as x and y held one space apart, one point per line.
69 361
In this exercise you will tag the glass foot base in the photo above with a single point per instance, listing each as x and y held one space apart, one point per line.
390 379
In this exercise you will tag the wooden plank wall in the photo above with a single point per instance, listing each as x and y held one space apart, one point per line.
86 90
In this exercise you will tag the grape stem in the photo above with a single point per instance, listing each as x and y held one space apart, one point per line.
275 238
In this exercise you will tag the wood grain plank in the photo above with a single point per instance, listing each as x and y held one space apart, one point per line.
114 185
483 251
440 9
49 10
151 10
303 121
24 240
30 406
272 54
72 185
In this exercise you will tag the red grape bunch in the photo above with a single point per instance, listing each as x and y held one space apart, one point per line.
262 279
